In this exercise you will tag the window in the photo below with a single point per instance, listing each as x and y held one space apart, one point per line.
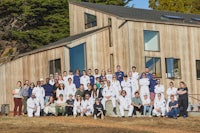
173 17
55 66
90 21
154 65
110 32
151 40
173 68
198 68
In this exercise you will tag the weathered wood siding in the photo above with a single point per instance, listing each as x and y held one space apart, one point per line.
31 67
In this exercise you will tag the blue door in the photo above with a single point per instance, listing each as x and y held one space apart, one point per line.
77 58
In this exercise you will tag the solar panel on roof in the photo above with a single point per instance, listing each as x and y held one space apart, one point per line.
173 17
196 19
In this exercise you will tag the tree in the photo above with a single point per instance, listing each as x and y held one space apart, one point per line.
184 6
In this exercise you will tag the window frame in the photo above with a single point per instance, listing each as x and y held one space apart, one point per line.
54 67
173 68
85 23
196 70
158 41
155 67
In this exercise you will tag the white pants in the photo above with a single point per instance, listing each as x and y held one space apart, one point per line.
41 102
49 109
159 113
89 111
77 110
123 107
104 100
30 111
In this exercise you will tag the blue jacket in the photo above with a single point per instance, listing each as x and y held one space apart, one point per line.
153 83
77 81
48 89
120 76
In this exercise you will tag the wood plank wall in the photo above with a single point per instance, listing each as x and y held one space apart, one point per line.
31 67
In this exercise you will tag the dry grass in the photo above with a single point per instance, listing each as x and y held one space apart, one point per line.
87 124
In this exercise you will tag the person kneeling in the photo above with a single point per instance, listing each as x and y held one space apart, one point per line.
49 108
125 104
33 108
60 105
159 106
98 109
69 105
88 106
173 108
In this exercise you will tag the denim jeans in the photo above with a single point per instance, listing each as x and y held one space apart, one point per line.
147 108
173 112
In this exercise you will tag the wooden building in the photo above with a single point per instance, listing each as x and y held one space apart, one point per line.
103 36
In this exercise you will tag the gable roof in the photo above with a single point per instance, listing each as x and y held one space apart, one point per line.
62 42
128 13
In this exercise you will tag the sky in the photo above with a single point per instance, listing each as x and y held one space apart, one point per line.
144 4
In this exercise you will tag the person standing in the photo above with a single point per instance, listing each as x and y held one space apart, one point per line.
17 99
116 86
159 89
85 79
92 79
135 77
109 75
25 96
126 86
148 74
76 78
32 85
39 94
183 99
119 74
153 83
70 88
144 85
48 90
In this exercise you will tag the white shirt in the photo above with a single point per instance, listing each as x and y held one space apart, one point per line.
61 102
126 85
172 91
70 89
88 103
58 92
51 82
144 82
85 80
159 89
159 103
125 101
146 101
32 102
109 77
108 91
39 92
135 75
65 78
78 103
61 81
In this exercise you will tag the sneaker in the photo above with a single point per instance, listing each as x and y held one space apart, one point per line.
66 115
95 117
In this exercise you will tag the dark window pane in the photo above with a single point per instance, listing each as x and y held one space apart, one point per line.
173 68
154 65
198 68
55 66
90 21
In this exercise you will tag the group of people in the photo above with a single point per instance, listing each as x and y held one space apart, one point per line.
85 94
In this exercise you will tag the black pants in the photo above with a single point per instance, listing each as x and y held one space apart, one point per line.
183 105
69 110
96 111
138 109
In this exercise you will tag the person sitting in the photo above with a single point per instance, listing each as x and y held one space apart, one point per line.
78 105
60 105
159 106
137 103
173 108
88 91
109 94
98 109
69 105
88 106
147 105
33 108
49 108
125 104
